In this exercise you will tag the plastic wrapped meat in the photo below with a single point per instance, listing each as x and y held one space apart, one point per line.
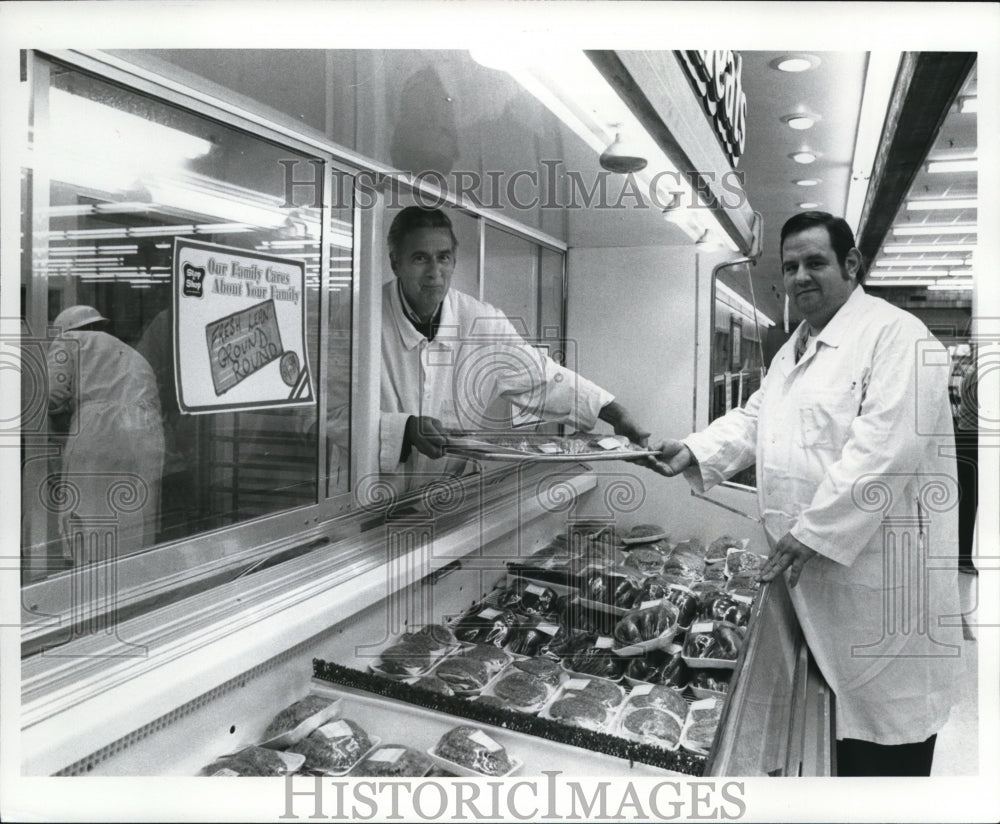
724 607
433 684
644 533
661 697
646 624
607 694
522 690
404 659
251 762
687 559
645 559
293 715
463 674
474 749
441 637
488 625
542 668
653 588
686 603
653 725
718 549
743 562
714 680
579 711
599 661
394 761
722 641
334 747
493 658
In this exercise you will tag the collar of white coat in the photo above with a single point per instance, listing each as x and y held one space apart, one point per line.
409 335
835 330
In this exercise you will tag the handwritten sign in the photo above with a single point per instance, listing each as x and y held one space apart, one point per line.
239 329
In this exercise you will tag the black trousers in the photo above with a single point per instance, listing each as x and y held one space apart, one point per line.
966 447
856 758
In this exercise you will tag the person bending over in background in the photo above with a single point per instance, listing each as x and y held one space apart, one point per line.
447 358
845 431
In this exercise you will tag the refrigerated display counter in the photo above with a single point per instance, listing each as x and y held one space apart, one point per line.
207 673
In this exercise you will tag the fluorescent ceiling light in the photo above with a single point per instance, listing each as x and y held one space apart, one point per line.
800 122
936 229
900 282
803 157
941 203
808 205
739 303
969 105
956 262
879 80
795 63
938 167
924 248
809 181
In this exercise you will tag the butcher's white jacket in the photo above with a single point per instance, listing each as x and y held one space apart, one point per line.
476 358
853 451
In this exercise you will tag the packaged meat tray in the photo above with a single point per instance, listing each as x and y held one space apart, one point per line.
665 667
485 625
686 602
712 644
652 626
710 683
532 634
415 653
645 559
464 674
577 710
649 725
607 693
742 562
468 750
719 548
686 559
299 719
644 534
520 690
726 606
597 658
544 669
600 586
658 696
702 723
545 448
255 762
393 761
334 748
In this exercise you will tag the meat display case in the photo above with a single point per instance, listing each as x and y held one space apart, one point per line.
220 664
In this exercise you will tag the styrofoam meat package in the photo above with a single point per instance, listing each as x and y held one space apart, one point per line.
742 562
335 747
393 761
256 762
525 685
652 714
651 626
665 667
712 644
300 718
710 683
471 751
719 548
701 725
584 701
415 653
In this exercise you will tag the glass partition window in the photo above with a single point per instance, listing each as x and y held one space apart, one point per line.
116 465
737 359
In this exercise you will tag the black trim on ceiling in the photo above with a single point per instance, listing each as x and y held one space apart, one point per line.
926 86
614 71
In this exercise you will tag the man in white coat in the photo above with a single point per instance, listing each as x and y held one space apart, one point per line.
447 358
850 434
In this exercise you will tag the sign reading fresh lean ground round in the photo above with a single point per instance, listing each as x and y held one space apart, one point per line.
239 329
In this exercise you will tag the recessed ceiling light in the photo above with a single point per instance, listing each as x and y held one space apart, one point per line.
795 63
942 203
800 122
809 181
808 205
803 157
937 167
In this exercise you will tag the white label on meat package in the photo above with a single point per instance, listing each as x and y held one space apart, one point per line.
482 738
489 612
642 689
387 755
604 642
648 604
534 590
701 704
548 629
549 448
336 729
609 443
743 599
576 684
701 626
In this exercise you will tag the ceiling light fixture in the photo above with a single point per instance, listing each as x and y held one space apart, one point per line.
938 167
931 229
955 262
808 181
803 157
800 122
795 63
808 205
925 248
879 80
941 203
621 157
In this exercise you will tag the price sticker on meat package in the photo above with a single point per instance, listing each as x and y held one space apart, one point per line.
239 324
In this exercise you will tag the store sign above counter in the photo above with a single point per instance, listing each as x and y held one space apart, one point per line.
717 78
239 329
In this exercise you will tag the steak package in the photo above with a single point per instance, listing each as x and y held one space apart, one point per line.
644 533
718 549
735 609
334 747
255 762
464 674
660 667
650 725
653 623
393 761
702 723
646 559
597 658
710 680
686 559
520 690
486 625
658 696
475 750
743 562
577 710
531 634
299 719
712 644
613 589
685 601
606 693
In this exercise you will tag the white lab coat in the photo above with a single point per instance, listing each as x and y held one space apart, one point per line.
847 446
115 439
476 358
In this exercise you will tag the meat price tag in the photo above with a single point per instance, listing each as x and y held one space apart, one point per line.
604 642
576 684
549 448
489 613
701 626
387 755
548 629
336 729
701 704
534 590
642 689
484 740
648 604
609 443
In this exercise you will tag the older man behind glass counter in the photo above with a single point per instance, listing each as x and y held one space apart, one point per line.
446 357
846 431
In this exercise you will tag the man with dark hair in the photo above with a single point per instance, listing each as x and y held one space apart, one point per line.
857 499
447 358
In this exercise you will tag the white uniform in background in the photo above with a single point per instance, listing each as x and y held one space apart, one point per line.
853 451
476 358
115 432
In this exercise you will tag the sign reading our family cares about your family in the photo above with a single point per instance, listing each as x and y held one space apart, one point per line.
239 329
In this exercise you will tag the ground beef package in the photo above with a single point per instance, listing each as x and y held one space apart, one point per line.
393 761
255 762
334 747
474 749
291 721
